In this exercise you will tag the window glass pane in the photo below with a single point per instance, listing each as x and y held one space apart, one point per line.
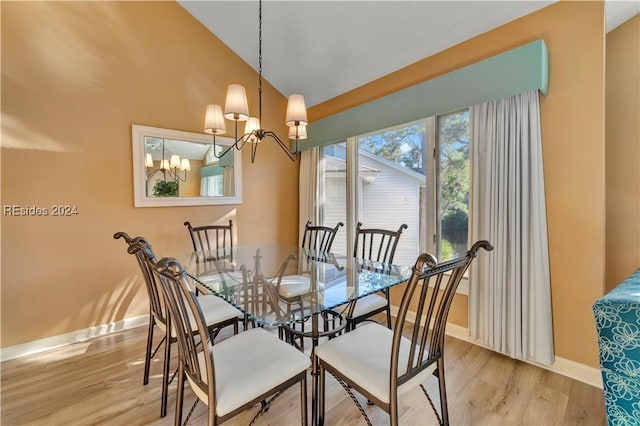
391 184
333 192
416 174
453 221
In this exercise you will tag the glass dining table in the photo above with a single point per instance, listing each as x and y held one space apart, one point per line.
258 281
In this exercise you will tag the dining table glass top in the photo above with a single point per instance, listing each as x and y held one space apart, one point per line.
260 280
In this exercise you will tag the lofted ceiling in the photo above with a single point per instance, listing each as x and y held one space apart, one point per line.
322 49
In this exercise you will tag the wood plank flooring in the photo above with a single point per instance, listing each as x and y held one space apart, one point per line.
99 382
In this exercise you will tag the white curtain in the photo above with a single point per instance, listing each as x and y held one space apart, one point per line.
229 185
208 186
308 188
510 296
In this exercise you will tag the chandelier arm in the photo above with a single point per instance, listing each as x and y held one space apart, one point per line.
285 148
176 175
281 143
254 149
152 173
242 140
173 174
225 151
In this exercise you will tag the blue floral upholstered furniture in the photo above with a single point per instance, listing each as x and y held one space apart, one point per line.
617 316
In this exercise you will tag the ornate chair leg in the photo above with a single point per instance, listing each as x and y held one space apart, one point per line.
393 411
303 400
386 293
147 356
443 392
165 375
179 397
320 396
211 412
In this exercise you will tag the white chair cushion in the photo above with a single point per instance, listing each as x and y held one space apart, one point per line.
363 306
248 365
215 310
364 355
369 304
294 285
231 278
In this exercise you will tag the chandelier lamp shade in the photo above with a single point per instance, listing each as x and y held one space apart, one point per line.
236 110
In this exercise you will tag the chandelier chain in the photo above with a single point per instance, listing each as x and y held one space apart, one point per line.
260 61
214 119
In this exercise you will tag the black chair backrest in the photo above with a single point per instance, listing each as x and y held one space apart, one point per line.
433 304
141 249
216 239
378 245
184 310
319 238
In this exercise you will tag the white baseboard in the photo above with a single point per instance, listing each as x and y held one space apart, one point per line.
566 367
37 346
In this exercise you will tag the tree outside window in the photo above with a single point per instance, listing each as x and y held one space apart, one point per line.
407 146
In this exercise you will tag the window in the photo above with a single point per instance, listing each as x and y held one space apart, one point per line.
211 186
416 173
391 183
453 185
332 191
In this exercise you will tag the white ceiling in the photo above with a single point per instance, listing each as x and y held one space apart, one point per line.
325 48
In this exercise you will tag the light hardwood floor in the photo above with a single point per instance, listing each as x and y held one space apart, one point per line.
100 382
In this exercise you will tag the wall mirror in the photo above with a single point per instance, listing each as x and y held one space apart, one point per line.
176 168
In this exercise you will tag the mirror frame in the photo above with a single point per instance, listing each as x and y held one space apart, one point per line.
138 132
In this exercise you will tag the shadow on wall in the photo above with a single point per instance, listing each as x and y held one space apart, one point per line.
111 306
175 242
18 135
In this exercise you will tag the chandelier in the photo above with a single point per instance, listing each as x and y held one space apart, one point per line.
171 167
236 110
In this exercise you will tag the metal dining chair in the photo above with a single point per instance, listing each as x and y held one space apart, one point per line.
317 239
382 364
218 313
215 239
214 243
231 376
377 245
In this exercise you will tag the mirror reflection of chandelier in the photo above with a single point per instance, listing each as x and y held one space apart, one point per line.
236 109
171 167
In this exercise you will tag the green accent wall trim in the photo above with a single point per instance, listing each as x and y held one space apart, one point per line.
207 171
227 159
216 169
515 71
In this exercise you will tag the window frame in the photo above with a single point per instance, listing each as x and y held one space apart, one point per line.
431 163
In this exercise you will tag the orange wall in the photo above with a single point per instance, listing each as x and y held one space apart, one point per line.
623 151
75 76
191 185
572 117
